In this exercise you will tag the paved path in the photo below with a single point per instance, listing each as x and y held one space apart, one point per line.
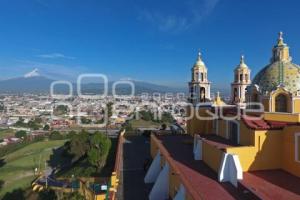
136 150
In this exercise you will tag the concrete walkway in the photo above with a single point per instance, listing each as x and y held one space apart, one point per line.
136 150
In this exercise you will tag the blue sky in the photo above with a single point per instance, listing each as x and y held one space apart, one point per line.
150 40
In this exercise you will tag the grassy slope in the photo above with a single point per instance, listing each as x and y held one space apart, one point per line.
17 172
144 124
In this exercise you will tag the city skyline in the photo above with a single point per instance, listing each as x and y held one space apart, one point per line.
89 38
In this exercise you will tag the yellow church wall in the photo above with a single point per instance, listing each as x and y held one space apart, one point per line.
153 148
209 127
174 183
222 126
264 154
288 154
266 104
189 121
246 135
246 155
212 156
269 147
297 106
283 117
199 126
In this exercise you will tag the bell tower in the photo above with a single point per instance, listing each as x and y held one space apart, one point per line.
240 83
199 86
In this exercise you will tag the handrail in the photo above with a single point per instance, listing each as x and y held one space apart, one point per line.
194 194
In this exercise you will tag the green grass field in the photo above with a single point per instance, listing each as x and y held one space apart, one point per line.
17 170
144 124
6 133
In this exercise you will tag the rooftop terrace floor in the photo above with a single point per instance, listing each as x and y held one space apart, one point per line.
272 184
267 184
201 179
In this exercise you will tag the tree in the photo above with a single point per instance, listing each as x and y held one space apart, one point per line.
128 126
33 125
38 120
20 134
46 127
73 196
146 115
85 120
100 146
47 195
79 145
20 122
163 127
61 110
1 184
72 133
15 194
109 109
55 135
167 118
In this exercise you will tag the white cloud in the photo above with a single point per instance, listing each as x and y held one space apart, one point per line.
192 13
55 55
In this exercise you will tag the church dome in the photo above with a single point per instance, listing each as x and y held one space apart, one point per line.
199 62
242 65
280 72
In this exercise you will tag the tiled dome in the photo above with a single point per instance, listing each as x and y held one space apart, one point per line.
281 71
278 73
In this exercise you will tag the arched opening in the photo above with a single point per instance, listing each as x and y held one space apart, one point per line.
235 95
246 77
281 103
254 101
202 94
233 132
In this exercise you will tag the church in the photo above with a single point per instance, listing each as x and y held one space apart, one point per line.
245 148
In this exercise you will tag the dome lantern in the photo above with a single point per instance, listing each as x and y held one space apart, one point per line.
199 61
280 50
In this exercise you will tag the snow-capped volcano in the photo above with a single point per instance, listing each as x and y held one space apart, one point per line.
33 73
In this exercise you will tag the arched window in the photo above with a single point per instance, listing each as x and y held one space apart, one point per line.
202 94
233 130
281 103
254 101
235 95
246 77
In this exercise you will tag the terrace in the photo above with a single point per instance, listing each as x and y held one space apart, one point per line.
204 185
266 184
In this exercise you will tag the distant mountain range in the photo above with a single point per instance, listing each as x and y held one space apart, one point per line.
33 82
41 84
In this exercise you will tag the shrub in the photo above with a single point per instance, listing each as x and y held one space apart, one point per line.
20 134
